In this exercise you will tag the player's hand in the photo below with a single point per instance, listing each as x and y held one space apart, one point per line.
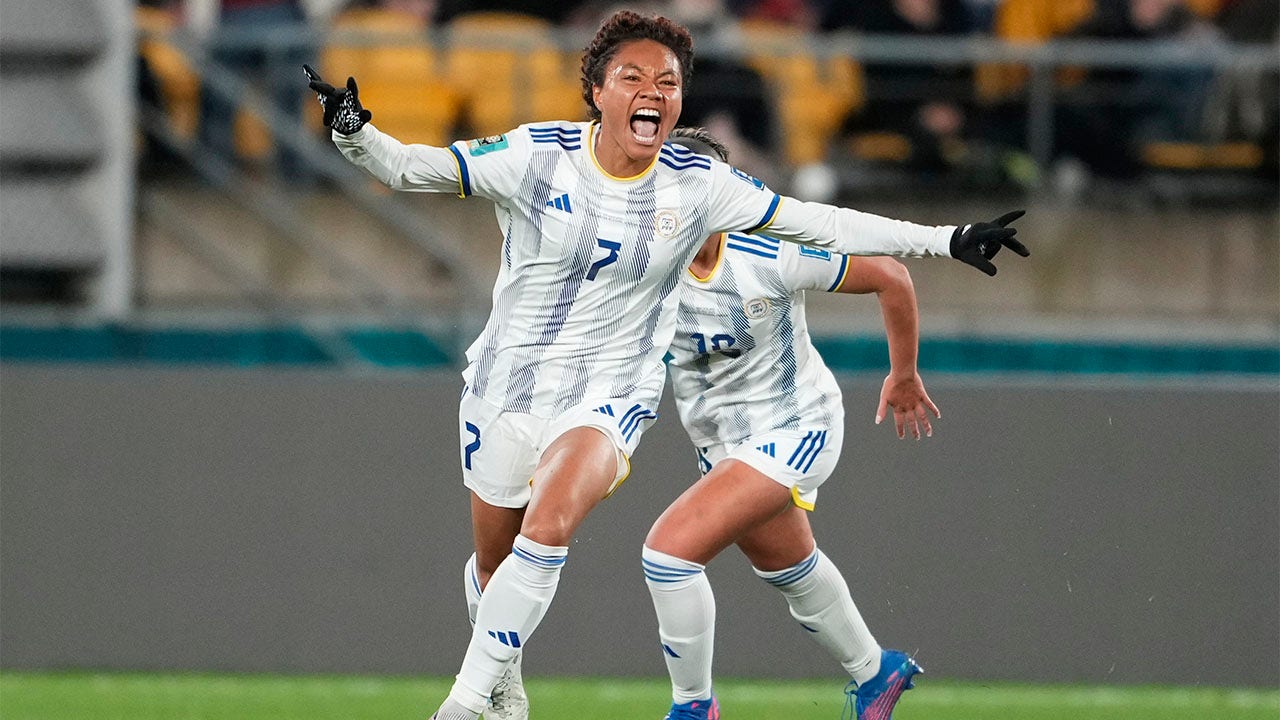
905 393
342 110
976 244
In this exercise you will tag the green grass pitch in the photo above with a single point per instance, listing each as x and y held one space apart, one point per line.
88 696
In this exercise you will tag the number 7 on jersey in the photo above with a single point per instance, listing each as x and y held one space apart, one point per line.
612 246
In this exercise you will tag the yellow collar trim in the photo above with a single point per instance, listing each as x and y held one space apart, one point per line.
714 268
591 150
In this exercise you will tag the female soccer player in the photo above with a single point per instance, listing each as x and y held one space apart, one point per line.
767 419
598 220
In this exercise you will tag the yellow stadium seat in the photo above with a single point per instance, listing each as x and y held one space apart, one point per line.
401 79
1029 22
180 86
179 83
812 95
508 70
1202 156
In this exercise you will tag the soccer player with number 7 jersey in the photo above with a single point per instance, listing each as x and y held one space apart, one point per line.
598 221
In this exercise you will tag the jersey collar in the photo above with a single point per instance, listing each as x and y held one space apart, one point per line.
591 150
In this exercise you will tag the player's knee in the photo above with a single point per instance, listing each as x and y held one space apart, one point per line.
551 529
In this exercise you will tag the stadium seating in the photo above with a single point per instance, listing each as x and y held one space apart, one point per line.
812 95
1029 22
179 83
508 70
400 76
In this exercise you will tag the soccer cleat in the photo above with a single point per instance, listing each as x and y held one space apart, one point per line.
874 699
696 710
508 700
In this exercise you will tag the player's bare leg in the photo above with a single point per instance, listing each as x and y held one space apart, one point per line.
729 500
784 554
715 511
780 543
576 472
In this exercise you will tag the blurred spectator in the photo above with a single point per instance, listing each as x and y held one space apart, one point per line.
726 96
799 14
982 14
423 12
556 11
929 105
1248 103
275 69
1106 119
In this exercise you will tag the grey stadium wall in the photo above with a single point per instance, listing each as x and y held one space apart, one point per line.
312 521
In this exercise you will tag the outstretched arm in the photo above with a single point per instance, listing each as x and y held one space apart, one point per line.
421 168
903 390
742 203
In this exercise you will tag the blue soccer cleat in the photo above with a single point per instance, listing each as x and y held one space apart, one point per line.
874 699
696 710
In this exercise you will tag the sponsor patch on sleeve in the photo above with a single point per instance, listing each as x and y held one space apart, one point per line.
813 252
747 178
489 144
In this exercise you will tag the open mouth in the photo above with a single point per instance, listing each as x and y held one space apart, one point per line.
644 125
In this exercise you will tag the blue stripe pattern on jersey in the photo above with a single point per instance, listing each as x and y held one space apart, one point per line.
795 573
475 580
754 244
546 561
462 167
844 267
657 572
678 161
567 138
768 214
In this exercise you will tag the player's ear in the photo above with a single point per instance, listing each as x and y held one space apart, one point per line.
595 95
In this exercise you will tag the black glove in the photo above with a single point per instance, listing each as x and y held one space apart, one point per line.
976 244
342 110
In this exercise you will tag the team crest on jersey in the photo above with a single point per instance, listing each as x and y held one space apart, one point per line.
483 145
756 308
666 223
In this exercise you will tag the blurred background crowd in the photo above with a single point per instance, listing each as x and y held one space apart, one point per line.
799 88
180 165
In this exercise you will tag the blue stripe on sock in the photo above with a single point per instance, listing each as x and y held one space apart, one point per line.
796 573
547 562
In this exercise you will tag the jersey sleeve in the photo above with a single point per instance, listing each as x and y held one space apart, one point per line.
809 268
741 203
490 167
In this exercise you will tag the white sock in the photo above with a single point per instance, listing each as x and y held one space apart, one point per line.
820 601
513 603
686 611
471 585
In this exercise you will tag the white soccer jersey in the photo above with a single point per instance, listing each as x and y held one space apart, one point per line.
590 260
742 362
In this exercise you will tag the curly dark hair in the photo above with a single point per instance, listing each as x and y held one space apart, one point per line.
623 26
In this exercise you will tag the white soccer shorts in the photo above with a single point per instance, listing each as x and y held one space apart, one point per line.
500 450
799 460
